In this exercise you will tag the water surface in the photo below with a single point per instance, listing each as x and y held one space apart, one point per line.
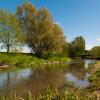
37 80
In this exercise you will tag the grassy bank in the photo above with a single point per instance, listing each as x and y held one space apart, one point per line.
69 93
95 75
27 60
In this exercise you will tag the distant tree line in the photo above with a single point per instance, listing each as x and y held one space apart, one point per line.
95 52
37 29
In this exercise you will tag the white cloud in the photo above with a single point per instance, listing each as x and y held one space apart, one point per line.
96 42
57 23
98 39
89 46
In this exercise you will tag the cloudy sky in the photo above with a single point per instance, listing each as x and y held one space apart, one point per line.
76 17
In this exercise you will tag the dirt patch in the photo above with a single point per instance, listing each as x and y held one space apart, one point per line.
4 66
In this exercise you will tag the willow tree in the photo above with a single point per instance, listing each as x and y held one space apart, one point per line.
42 34
58 39
10 35
25 15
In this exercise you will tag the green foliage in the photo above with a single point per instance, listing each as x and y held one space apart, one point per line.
59 59
13 59
95 52
42 34
66 49
53 94
95 78
10 34
27 60
92 78
77 47
95 74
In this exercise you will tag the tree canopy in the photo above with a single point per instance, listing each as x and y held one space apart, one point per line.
77 46
10 34
95 52
43 35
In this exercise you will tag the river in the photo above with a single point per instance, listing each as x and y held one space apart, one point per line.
36 80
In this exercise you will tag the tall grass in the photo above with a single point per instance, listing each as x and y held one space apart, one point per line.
53 94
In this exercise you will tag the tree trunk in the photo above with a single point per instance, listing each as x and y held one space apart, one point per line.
8 49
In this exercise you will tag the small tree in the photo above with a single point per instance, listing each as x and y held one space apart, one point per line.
10 34
95 52
77 46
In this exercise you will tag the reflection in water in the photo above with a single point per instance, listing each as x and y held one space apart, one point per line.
87 62
79 82
77 70
77 74
13 77
36 80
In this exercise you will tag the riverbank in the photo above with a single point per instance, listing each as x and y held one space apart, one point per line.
18 60
69 93
95 75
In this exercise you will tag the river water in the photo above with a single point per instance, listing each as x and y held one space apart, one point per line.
36 80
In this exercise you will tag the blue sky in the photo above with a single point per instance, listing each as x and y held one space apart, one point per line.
76 17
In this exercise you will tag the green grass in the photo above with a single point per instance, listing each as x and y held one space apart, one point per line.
69 93
59 59
95 79
19 59
25 60
95 74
